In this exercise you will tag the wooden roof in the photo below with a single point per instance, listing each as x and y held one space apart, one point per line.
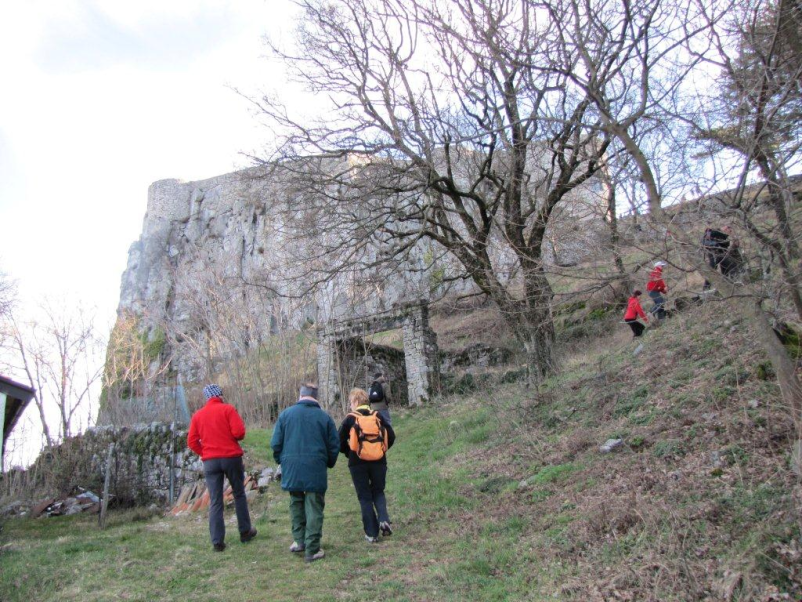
17 398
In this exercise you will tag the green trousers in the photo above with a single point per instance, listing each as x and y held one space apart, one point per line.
306 512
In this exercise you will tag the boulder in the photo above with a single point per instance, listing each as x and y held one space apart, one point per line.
610 445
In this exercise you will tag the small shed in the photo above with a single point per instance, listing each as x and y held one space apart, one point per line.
14 398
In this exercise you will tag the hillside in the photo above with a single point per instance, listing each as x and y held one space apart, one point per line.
503 494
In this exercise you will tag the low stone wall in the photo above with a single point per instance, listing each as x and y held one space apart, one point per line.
140 468
475 357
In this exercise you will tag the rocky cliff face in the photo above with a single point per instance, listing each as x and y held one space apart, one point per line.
210 277
190 228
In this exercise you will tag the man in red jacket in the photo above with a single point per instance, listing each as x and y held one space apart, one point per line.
214 434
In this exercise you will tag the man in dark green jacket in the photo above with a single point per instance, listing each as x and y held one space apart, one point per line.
305 443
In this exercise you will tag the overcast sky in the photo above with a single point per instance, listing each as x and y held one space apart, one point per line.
99 99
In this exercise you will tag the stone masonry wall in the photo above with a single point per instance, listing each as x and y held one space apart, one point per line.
360 361
420 351
140 464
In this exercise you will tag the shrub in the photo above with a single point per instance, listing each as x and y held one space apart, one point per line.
668 448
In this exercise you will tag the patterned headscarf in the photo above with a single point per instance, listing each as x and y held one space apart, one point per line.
212 391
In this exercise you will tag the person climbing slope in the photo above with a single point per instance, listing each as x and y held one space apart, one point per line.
656 288
635 311
377 395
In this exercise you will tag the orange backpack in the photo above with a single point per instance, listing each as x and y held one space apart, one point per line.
368 437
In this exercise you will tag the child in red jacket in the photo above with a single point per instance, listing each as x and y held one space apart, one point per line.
656 288
635 311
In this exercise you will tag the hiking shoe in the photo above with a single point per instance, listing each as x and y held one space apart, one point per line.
385 528
370 539
316 556
247 536
219 547
297 547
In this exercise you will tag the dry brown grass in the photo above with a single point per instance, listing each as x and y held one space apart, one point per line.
698 504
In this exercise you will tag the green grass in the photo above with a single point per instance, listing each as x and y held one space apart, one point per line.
655 520
550 474
171 559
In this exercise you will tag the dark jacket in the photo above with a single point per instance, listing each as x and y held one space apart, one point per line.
305 444
345 434
215 430
715 242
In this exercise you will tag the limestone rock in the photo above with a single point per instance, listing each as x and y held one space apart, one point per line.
235 229
610 445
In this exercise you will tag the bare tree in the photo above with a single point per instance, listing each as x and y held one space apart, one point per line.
62 357
238 334
8 295
635 72
135 361
8 298
445 132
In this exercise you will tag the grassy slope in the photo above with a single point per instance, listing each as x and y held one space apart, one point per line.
696 504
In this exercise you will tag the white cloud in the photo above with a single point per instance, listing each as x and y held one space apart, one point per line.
105 98
95 38
99 100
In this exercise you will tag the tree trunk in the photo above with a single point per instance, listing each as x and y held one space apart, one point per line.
777 188
537 338
612 220
533 324
792 281
42 418
783 366
787 379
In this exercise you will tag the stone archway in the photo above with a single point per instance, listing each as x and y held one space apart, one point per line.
341 339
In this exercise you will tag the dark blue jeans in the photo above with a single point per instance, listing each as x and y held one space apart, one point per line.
369 479
215 470
659 307
637 327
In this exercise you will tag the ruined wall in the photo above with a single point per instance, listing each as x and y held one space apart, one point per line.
420 353
359 362
140 469
341 355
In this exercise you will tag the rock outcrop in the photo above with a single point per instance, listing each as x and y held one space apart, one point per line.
211 277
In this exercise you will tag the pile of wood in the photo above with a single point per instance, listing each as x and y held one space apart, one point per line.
82 500
195 496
